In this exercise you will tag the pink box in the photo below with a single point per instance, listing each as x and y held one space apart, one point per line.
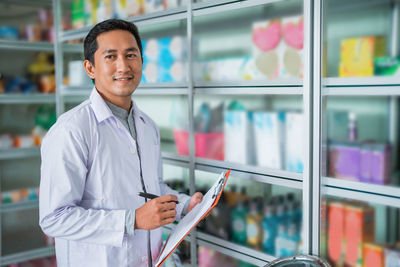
208 145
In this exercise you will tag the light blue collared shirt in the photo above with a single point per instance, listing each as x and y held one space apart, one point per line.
90 177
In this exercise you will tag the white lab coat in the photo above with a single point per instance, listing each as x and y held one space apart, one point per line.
90 176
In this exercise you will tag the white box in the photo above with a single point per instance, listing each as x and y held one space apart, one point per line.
237 134
269 133
77 74
294 144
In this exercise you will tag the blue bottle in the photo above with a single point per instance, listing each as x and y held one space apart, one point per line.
269 228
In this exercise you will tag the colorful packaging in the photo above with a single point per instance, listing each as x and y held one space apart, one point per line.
78 14
375 163
335 233
129 8
278 46
373 255
357 55
103 10
359 228
344 160
387 66
269 142
294 148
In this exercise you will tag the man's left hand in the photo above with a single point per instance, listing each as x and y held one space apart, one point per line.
194 200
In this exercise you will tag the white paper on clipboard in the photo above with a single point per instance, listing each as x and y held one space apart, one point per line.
187 223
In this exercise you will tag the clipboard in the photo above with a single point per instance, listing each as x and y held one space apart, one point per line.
187 223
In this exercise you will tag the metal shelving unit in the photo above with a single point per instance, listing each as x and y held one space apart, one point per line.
312 88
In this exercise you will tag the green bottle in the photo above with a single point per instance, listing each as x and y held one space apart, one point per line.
238 218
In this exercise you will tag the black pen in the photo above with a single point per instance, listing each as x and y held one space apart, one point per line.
151 196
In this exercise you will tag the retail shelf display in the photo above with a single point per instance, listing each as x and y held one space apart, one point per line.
236 58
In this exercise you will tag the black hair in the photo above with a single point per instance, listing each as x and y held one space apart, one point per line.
90 44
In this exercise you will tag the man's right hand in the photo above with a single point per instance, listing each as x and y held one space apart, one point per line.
156 212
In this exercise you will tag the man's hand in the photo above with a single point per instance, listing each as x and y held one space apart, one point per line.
156 212
194 200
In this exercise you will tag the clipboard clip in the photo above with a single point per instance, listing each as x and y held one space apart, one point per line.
221 182
218 188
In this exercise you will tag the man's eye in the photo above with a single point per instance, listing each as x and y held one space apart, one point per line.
131 55
109 56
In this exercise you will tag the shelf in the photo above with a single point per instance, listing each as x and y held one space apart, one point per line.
249 91
362 91
201 9
361 81
26 46
23 205
234 250
175 160
253 173
142 20
263 84
27 255
19 153
369 188
35 98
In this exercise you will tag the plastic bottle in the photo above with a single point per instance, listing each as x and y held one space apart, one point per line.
269 227
280 242
238 218
253 227
352 130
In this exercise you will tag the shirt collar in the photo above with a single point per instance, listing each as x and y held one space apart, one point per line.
102 111
99 106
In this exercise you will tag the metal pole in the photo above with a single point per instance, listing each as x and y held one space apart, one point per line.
193 242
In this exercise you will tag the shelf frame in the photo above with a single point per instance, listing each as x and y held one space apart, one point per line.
19 153
27 255
19 206
34 98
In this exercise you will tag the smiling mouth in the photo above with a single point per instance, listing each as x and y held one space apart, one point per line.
123 78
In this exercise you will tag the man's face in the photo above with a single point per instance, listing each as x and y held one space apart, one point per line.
117 68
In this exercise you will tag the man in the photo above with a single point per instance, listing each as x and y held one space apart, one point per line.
99 156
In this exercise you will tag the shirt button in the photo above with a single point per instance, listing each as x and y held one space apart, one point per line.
133 150
144 258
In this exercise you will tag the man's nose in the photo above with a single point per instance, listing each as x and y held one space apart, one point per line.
122 64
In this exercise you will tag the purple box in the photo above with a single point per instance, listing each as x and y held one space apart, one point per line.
345 160
380 167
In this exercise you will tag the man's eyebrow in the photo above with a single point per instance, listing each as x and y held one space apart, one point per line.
132 49
108 51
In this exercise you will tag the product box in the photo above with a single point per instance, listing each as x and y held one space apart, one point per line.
344 160
373 255
387 66
278 46
237 129
90 12
375 163
268 137
335 233
129 8
77 75
103 10
294 148
357 55
392 258
359 228
78 13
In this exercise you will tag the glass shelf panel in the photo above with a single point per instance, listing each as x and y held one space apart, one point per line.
261 130
356 233
360 139
258 43
260 216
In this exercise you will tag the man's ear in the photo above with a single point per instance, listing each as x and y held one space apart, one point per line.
89 68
